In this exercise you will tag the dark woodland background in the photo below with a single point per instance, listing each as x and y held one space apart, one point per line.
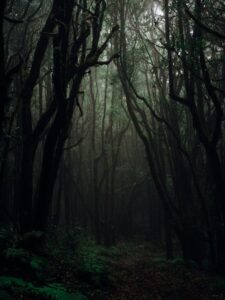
112 149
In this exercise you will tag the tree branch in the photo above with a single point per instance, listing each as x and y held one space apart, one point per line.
203 26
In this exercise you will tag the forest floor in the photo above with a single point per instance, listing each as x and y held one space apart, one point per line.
86 271
140 273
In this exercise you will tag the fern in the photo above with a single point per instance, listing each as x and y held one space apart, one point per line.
91 260
59 293
52 291
6 282
16 254
38 263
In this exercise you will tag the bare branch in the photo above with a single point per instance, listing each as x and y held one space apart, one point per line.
74 145
203 26
107 62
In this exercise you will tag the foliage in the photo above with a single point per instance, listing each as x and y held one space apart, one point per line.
7 282
51 291
63 241
26 269
38 263
58 292
175 262
74 248
159 261
180 261
30 264
7 238
16 254
128 249
134 271
90 258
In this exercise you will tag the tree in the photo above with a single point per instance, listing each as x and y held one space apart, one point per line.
200 94
163 126
72 32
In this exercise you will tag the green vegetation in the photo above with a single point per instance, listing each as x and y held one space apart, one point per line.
18 286
94 272
90 259
34 281
112 150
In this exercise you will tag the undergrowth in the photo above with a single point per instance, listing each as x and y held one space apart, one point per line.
17 287
25 273
76 268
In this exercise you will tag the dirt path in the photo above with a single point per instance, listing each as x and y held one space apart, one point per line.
145 278
137 274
